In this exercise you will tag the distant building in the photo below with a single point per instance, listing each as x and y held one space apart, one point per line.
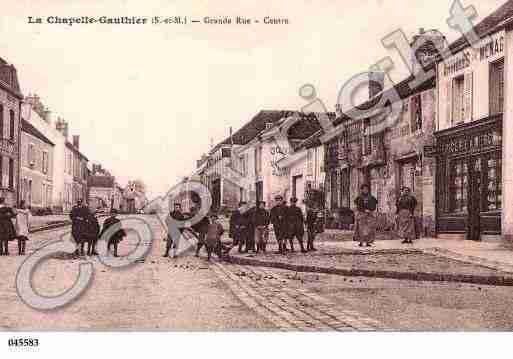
10 108
104 192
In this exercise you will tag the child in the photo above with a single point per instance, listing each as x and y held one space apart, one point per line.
213 238
22 227
7 230
116 233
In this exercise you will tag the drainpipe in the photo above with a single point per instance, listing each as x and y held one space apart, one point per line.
18 184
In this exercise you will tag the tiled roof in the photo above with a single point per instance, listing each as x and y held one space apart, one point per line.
487 25
251 129
27 127
9 78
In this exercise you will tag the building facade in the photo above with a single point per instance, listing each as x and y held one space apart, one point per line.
77 165
10 132
37 158
474 133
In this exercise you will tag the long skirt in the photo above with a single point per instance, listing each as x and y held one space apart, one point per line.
365 230
405 225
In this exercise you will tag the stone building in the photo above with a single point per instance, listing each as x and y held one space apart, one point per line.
10 132
37 158
388 157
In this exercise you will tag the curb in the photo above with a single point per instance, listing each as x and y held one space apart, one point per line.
417 276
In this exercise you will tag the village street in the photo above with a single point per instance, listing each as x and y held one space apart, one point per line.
188 293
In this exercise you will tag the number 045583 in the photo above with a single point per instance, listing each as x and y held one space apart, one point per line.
23 342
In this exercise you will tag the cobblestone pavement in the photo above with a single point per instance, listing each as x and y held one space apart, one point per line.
289 308
159 294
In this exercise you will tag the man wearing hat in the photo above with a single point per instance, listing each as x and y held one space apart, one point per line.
295 222
278 213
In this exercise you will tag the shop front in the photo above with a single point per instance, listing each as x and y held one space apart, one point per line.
469 179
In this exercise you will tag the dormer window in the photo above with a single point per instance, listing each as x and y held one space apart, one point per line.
268 125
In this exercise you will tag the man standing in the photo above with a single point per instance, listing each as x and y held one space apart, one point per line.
405 216
278 220
78 216
311 227
365 229
173 228
7 230
261 221
295 223
235 223
250 220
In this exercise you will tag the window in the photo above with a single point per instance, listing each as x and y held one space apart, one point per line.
497 87
11 173
31 155
11 125
367 147
258 160
408 175
416 113
309 162
44 166
458 109
1 172
1 121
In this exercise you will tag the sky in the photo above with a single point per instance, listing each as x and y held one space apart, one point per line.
147 100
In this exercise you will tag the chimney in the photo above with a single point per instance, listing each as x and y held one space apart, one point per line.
376 82
47 116
76 142
62 127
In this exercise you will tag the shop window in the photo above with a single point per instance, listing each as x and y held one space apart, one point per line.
458 186
497 87
493 183
458 109
408 175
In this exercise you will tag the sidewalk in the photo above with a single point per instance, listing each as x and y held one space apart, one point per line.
429 259
44 221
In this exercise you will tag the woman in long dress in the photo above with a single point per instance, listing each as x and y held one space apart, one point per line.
22 227
405 216
366 204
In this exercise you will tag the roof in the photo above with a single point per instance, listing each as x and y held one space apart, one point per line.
489 24
307 125
9 78
74 149
27 127
251 129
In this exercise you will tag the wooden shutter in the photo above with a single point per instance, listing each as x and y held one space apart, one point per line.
467 97
448 104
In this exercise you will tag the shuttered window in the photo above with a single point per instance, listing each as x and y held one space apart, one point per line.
11 173
458 109
1 121
497 87
11 125
416 113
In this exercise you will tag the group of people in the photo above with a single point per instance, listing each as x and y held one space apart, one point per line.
14 224
249 228
365 226
85 229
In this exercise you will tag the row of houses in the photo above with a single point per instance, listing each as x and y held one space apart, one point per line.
39 162
447 144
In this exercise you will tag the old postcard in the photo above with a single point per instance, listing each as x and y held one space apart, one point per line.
294 166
